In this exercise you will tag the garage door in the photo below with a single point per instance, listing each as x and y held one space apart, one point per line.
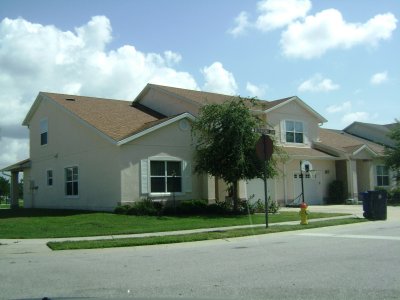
312 187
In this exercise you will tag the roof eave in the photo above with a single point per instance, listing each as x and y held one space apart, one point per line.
19 166
155 127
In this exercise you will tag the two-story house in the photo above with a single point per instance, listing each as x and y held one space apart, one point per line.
91 153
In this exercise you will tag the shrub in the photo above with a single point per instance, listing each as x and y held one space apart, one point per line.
145 207
336 192
122 209
273 206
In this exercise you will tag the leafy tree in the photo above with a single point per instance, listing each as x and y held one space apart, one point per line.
4 186
392 158
226 141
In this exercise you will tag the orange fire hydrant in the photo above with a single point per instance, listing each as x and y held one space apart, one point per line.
303 213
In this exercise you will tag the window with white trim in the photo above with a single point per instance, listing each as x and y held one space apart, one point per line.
165 176
49 177
294 132
44 129
382 175
71 181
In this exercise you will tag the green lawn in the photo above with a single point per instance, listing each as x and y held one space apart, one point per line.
169 239
42 223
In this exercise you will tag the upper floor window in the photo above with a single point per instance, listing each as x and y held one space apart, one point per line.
294 132
44 131
382 175
165 176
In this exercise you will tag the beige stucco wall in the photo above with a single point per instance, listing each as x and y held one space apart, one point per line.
294 112
168 142
72 143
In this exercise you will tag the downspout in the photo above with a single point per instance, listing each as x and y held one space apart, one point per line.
284 184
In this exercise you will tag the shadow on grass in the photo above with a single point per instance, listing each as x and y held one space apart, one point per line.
39 212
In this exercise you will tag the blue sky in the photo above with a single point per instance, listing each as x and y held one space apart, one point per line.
340 57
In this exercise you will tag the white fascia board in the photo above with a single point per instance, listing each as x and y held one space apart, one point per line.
365 147
33 109
156 127
301 103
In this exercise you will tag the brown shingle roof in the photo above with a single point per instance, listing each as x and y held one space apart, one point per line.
345 142
117 119
202 98
306 153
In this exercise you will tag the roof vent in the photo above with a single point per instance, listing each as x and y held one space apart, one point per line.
70 99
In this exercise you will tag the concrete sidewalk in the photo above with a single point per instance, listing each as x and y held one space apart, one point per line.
39 245
21 246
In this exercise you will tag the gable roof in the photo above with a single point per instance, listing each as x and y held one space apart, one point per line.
202 98
384 128
344 143
114 119
374 132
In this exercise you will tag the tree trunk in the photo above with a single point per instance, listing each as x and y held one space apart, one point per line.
235 196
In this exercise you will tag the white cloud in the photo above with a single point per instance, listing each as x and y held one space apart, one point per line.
379 78
242 23
256 90
34 58
348 115
328 30
355 116
345 106
219 80
318 84
13 150
277 13
172 58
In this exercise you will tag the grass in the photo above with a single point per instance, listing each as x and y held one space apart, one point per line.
169 239
45 223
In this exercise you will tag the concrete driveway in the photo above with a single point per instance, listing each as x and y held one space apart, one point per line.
393 213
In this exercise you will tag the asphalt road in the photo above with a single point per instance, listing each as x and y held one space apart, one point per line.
359 261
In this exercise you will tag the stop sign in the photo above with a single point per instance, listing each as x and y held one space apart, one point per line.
264 148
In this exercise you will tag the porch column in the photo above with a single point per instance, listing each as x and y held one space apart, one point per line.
371 176
351 167
14 189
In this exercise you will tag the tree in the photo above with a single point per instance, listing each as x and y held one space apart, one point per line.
392 158
4 187
225 143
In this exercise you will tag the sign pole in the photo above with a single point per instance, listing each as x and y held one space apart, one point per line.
302 183
265 180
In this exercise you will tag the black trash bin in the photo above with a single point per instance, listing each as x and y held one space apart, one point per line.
367 205
375 205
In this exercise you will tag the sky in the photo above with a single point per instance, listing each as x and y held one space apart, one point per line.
340 57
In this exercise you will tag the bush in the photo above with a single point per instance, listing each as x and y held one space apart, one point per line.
145 207
273 206
336 192
122 209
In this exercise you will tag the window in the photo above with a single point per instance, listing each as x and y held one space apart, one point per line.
43 132
294 132
165 176
382 175
49 177
71 181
